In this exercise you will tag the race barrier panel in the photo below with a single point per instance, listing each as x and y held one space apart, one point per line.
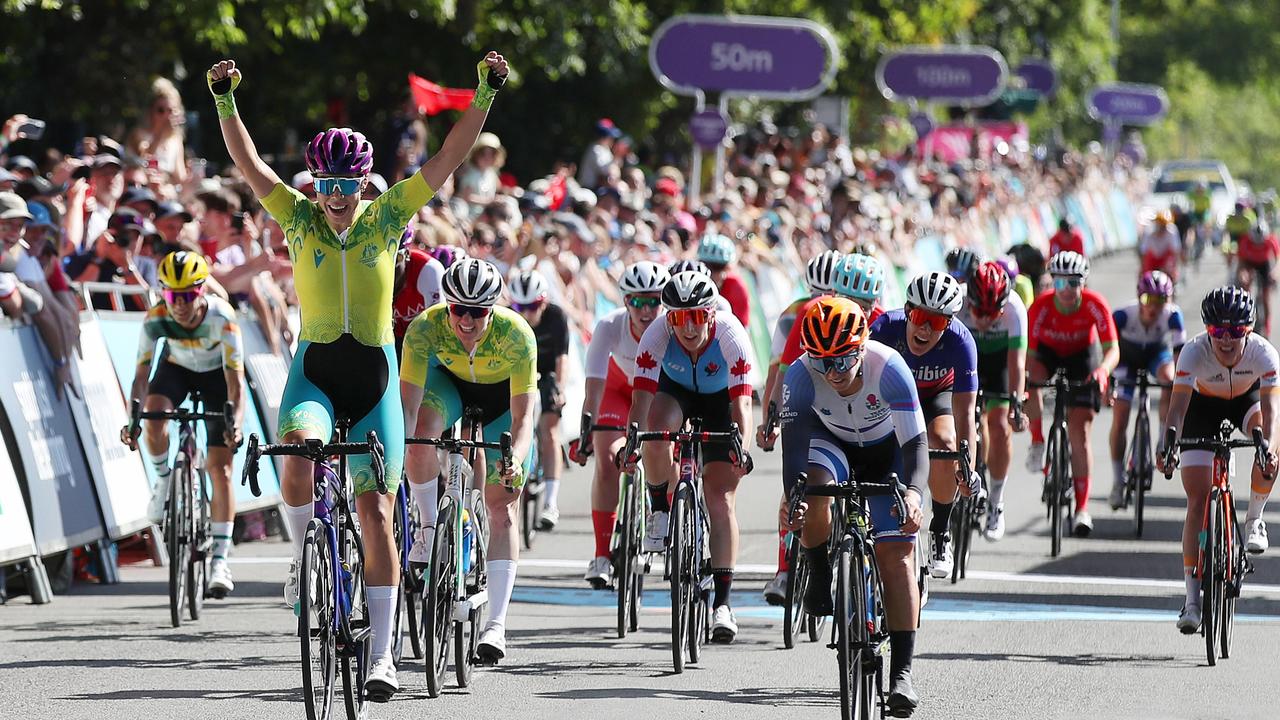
17 541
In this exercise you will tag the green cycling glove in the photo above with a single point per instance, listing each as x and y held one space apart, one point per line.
488 88
224 93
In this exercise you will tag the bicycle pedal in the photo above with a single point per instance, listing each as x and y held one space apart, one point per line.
358 636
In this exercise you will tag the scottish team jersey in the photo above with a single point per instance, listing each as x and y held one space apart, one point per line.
724 364
952 364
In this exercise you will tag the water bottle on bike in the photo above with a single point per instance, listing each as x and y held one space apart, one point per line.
468 536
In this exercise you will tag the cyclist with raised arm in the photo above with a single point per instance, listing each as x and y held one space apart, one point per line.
203 353
696 364
610 367
343 253
1152 333
997 319
464 353
819 274
529 294
943 358
1070 329
1226 373
850 410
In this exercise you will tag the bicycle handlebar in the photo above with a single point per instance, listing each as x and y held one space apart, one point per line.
771 421
631 452
855 488
137 415
457 445
1257 441
316 451
585 428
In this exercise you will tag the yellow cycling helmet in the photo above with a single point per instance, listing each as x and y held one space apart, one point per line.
183 270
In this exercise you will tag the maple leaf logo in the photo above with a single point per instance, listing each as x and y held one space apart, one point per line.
741 368
646 361
711 369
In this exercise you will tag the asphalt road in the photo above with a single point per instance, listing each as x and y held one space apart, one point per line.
1089 634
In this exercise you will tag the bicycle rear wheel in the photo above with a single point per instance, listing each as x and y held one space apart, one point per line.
1210 580
849 621
437 600
316 623
639 560
529 503
793 615
1142 470
178 538
679 568
961 523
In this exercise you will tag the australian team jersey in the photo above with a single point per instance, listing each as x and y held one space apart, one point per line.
886 405
1200 370
506 351
951 365
345 283
212 345
724 364
1070 333
1008 332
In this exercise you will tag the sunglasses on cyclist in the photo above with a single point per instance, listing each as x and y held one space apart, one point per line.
696 316
1149 299
641 302
527 307
839 364
1223 332
981 313
186 297
337 185
479 313
920 316
1062 283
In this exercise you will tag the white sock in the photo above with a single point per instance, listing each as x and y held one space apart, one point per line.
160 463
1117 467
996 496
502 581
1257 502
382 605
1193 585
424 494
550 488
299 518
222 540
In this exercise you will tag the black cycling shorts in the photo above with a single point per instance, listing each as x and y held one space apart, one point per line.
1205 414
936 406
176 383
993 373
1079 368
546 391
711 408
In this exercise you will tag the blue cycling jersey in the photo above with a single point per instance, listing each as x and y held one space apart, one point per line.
723 364
952 364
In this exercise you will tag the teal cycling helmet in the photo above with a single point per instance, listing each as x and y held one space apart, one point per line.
860 277
717 250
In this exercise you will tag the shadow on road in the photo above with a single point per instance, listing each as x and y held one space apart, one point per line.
775 696
1161 662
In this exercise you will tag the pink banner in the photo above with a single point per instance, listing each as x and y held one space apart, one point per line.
950 143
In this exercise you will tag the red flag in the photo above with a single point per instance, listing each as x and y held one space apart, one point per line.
433 99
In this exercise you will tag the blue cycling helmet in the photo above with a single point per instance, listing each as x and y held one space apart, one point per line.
860 277
717 250
1228 306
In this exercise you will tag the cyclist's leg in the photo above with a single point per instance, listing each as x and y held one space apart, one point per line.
305 412
615 408
549 446
895 556
501 503
1196 468
999 448
665 413
213 386
1037 372
168 389
1119 432
942 473
441 408
1079 425
828 464
720 488
1259 486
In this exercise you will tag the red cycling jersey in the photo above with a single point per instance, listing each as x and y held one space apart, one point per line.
421 289
735 291
793 351
1255 252
1063 241
1070 333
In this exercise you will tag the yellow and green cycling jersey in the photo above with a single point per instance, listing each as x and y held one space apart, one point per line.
1200 201
508 351
345 283
1240 224
1025 289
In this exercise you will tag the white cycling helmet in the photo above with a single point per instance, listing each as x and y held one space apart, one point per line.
472 282
643 277
688 290
860 277
680 266
527 287
820 273
1069 264
937 292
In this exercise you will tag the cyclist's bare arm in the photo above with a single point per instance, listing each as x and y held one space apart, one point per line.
963 405
261 178
457 145
741 412
235 382
410 401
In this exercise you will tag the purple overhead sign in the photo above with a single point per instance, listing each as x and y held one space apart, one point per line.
1129 103
952 75
1038 75
782 58
708 128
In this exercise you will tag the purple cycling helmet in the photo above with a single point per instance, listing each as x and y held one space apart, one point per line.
406 239
1154 282
340 151
448 254
1010 265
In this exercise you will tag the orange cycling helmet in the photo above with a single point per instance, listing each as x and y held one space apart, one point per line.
833 327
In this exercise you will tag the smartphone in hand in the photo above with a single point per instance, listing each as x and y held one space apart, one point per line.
32 129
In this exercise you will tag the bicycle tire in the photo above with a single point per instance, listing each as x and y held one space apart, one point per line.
875 636
700 582
848 658
529 514
960 525
1209 582
679 558
624 560
399 522
1057 488
793 615
1142 470
201 546
315 623
437 600
354 663
1233 561
466 635
177 540
639 559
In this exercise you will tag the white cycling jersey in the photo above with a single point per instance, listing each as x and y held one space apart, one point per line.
1201 371
1168 330
613 342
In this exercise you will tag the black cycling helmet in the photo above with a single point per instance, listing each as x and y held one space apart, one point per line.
1228 306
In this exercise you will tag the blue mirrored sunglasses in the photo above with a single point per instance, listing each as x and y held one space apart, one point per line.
337 185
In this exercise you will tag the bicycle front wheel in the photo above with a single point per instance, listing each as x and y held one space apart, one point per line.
961 523
679 567
848 620
1232 554
624 559
529 514
793 615
437 600
316 625
178 539
1057 482
1143 470
1211 579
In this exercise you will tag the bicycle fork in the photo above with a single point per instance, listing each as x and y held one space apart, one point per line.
459 490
